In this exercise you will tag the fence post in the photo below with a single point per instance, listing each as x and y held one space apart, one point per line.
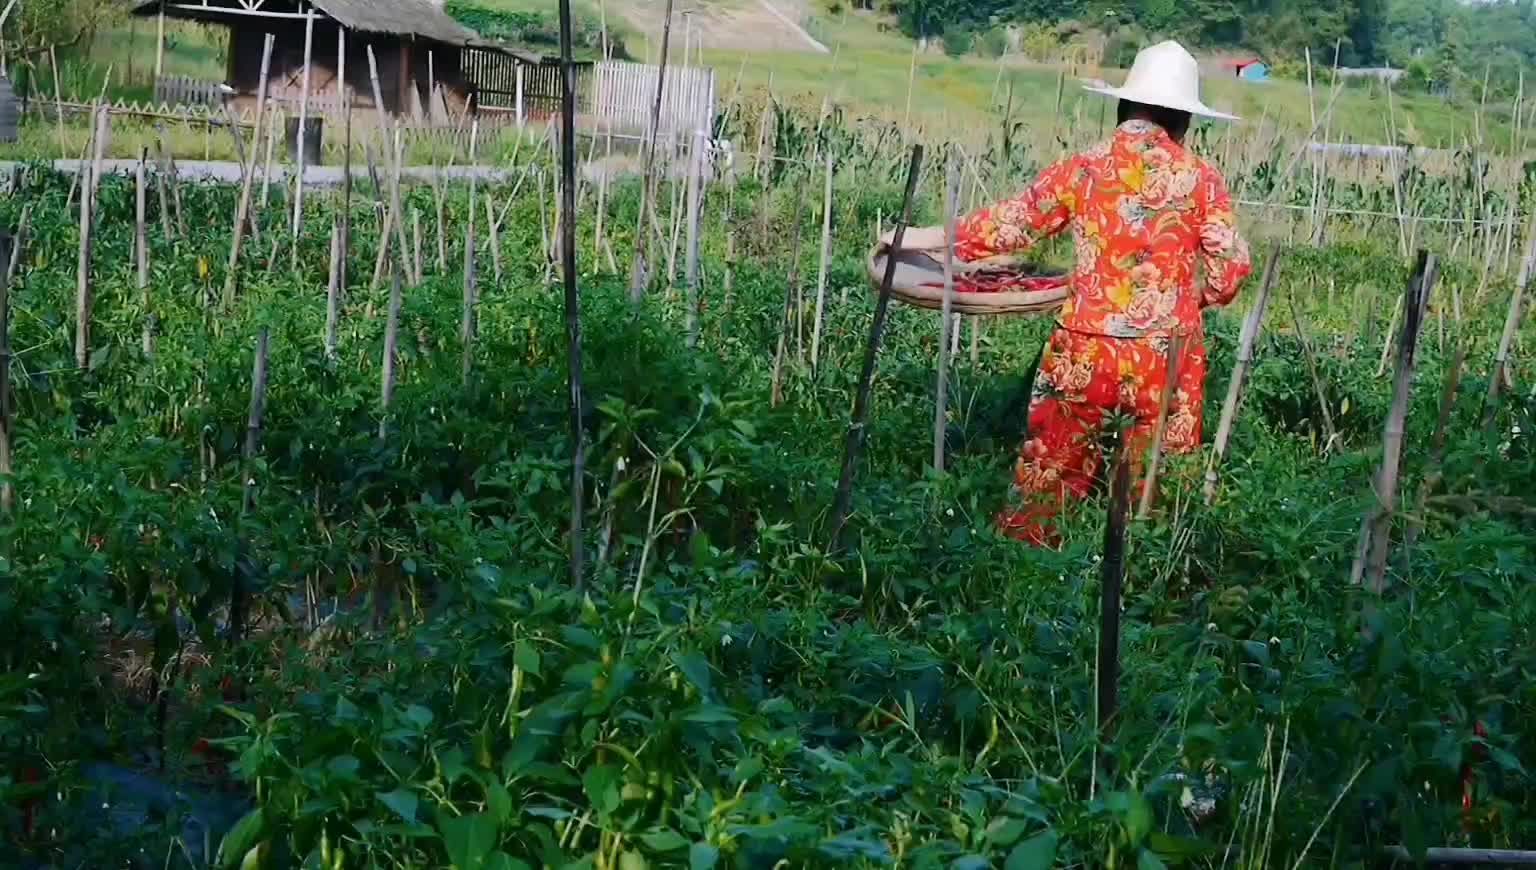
520 117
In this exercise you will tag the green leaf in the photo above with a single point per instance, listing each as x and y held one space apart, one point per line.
503 861
1038 851
241 839
601 784
1148 860
1005 831
403 801
703 856
525 656
664 841
1138 819
696 668
469 840
499 801
419 716
711 714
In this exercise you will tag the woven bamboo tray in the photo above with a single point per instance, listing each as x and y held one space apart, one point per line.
1001 286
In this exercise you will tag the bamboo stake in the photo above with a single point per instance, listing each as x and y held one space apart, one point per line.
467 328
729 279
333 293
695 194
572 293
301 160
906 121
243 209
493 226
141 251
239 596
1112 579
391 344
10 252
161 171
344 95
83 289
947 324
1386 342
638 278
791 300
1377 531
272 126
1174 360
826 260
843 503
1330 433
395 156
415 241
58 100
1250 335
1511 329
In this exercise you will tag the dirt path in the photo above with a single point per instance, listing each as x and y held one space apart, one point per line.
733 25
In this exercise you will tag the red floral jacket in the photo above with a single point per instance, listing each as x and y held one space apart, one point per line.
1142 210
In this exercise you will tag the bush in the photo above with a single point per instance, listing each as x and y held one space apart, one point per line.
993 43
957 41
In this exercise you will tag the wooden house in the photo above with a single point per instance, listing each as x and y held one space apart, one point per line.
429 65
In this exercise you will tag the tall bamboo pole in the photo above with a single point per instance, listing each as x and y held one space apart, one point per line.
9 253
1511 329
333 293
826 259
243 208
239 597
344 96
947 323
141 249
695 196
572 294
1376 533
395 157
640 266
301 160
842 506
391 345
83 288
1250 336
467 328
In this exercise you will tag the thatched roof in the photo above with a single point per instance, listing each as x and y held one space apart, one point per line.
418 18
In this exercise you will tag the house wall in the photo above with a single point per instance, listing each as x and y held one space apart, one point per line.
420 61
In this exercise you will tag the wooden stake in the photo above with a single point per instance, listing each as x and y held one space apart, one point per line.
391 343
842 506
301 160
791 299
416 241
333 293
243 208
1377 530
1112 579
493 227
1250 336
1330 433
239 595
1511 329
344 95
695 194
638 278
395 157
1174 360
83 290
161 171
141 251
9 253
572 294
468 327
947 322
826 259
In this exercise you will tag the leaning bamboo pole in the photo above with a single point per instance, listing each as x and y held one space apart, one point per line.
842 505
1249 337
243 207
1370 565
9 253
1174 359
301 160
467 327
640 267
141 250
1511 329
826 259
695 196
572 294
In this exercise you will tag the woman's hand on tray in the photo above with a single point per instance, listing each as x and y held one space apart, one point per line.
917 239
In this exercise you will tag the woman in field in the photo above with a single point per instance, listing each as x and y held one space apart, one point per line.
1147 216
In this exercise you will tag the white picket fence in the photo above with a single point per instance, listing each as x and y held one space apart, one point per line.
623 95
186 91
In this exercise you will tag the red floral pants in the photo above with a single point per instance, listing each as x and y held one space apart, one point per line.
1083 381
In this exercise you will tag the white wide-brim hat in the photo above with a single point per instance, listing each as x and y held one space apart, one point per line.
1164 75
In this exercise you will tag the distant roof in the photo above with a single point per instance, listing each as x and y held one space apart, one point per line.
1239 63
419 18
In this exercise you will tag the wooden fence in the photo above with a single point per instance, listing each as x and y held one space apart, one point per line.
625 93
186 91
